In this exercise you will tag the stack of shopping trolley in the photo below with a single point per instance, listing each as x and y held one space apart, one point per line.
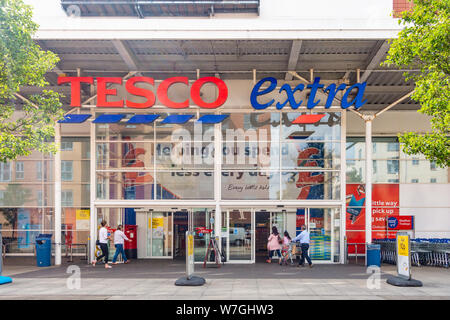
424 252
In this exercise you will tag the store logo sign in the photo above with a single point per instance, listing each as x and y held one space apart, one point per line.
161 93
289 92
392 222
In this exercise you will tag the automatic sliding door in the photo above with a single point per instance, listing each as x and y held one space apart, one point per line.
240 235
160 235
320 233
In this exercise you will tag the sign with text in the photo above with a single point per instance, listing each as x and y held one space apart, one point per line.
403 255
400 223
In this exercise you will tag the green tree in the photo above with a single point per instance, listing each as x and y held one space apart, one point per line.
23 63
424 44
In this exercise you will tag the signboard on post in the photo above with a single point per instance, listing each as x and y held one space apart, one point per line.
403 255
189 254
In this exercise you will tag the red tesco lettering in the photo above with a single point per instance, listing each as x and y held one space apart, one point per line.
162 92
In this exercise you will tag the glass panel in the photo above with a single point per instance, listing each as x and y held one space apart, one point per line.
327 128
262 232
278 221
241 185
201 219
320 233
251 155
310 155
337 233
184 155
124 132
189 131
126 155
312 185
185 185
20 195
240 225
356 171
75 148
251 127
125 185
161 234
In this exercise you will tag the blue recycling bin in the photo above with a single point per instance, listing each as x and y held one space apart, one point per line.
373 255
44 250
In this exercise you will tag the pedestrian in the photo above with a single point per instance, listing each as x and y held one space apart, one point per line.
119 238
303 238
274 245
103 243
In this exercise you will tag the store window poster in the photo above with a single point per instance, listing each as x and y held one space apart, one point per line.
385 203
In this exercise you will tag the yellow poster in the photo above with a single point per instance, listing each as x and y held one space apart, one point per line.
190 245
155 223
403 249
82 219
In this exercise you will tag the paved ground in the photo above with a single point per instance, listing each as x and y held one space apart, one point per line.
154 279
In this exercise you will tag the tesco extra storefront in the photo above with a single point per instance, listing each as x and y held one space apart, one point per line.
236 157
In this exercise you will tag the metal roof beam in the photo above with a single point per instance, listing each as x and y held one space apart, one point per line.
293 58
126 54
375 59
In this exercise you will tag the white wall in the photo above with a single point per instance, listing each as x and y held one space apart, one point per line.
389 123
278 19
430 204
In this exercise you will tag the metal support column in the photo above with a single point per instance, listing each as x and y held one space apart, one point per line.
93 188
58 213
368 120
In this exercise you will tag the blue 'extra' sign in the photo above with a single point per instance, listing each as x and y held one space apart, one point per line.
332 90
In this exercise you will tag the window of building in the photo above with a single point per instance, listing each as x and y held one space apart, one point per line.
415 162
5 172
66 145
392 166
66 170
40 198
393 146
39 170
20 174
374 166
433 180
393 180
67 198
414 180
432 165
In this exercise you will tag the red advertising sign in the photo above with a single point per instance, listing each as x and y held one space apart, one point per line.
385 204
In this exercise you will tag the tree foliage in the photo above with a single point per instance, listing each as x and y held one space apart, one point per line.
424 44
24 63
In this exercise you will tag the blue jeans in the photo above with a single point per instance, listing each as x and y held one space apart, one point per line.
119 249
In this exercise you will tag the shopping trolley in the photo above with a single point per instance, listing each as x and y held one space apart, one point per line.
288 255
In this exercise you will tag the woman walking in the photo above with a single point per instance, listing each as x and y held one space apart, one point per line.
274 245
103 243
119 238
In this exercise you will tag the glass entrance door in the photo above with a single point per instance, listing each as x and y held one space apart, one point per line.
319 222
160 234
240 240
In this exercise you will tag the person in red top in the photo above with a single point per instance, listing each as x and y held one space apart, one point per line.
274 245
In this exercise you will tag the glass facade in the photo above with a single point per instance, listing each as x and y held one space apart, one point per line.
27 197
264 156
